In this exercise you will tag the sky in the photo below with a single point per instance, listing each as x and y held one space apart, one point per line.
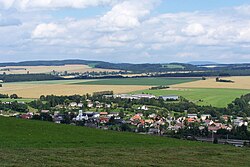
135 31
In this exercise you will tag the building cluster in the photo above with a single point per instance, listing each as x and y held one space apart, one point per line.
143 119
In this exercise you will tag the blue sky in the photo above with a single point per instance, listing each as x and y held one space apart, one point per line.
126 30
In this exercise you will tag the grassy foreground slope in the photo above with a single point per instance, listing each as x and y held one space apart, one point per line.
34 143
203 96
140 81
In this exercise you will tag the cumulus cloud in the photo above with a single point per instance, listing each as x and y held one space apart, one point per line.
50 4
47 31
126 15
129 32
194 29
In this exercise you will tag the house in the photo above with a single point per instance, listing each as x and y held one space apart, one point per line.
113 114
149 121
45 111
96 115
98 104
213 128
153 131
208 122
26 116
145 108
177 126
104 120
81 116
73 104
225 117
103 114
240 122
191 120
140 114
89 103
107 105
136 119
194 116
170 97
58 119
80 105
205 117
152 115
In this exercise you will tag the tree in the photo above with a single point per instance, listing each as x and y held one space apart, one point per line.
14 96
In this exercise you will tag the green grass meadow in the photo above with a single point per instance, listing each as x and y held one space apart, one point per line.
35 143
140 81
204 96
18 100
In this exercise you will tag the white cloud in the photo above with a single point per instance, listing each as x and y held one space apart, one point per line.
129 29
47 31
50 4
194 29
244 34
243 9
126 15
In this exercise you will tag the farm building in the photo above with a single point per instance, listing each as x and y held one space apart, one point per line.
170 97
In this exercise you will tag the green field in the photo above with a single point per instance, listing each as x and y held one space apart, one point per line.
204 96
140 81
18 100
35 143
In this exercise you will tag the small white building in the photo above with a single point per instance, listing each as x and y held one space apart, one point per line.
73 104
194 116
205 117
170 97
145 108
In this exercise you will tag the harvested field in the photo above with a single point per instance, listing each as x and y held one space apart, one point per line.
239 83
36 90
49 69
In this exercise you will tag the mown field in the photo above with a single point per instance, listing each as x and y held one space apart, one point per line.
35 143
48 69
239 83
140 81
70 87
203 96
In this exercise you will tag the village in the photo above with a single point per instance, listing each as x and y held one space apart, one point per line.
107 113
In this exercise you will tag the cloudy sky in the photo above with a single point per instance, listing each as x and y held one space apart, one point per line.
125 30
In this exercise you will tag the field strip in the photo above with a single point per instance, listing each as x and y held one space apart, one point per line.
48 69
239 83
35 91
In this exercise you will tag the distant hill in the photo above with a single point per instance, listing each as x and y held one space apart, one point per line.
36 143
106 65
199 67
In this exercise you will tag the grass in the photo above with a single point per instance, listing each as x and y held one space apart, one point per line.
203 96
18 100
35 143
140 81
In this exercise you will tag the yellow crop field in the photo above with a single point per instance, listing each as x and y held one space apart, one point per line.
239 83
49 69
36 90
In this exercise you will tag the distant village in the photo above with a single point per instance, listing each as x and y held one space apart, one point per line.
138 113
